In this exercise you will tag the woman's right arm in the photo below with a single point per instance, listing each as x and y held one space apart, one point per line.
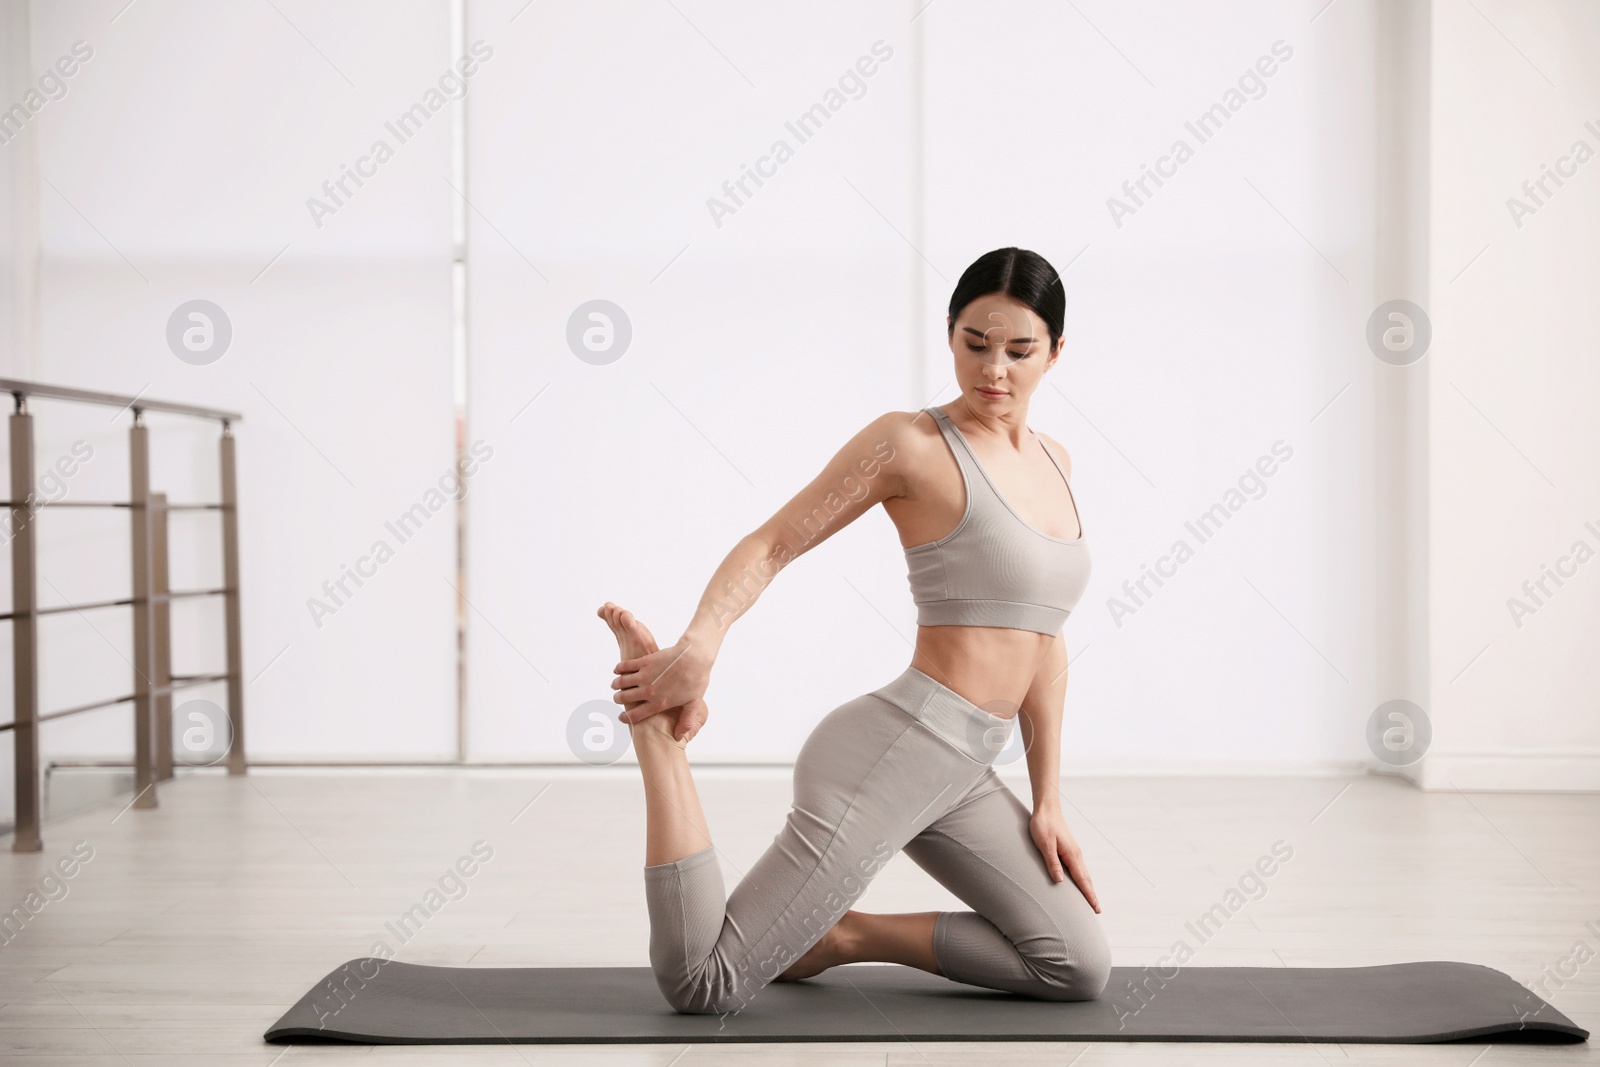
861 475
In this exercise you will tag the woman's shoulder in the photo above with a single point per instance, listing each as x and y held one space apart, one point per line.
909 424
1055 448
904 431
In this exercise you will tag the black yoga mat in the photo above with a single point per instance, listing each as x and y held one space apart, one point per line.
390 1002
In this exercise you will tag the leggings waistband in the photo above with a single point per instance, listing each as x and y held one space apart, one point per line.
967 727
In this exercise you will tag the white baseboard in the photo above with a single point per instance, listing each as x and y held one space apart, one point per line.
1115 767
1144 767
1570 770
1573 770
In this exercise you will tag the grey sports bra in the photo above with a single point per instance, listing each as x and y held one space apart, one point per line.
994 569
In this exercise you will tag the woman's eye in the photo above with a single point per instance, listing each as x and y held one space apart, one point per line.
979 348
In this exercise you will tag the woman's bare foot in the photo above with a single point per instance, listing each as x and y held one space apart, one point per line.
634 639
675 824
836 946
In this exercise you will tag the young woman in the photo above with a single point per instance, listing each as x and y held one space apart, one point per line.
997 561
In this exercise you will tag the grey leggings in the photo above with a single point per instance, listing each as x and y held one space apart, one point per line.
908 766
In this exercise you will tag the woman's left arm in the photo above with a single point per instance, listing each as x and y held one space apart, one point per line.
1040 717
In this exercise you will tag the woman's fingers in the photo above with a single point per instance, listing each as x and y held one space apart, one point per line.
630 678
1056 873
651 663
1049 845
643 681
635 715
690 719
628 689
638 706
1080 875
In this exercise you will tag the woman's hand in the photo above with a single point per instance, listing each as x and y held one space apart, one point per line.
1056 842
672 677
691 717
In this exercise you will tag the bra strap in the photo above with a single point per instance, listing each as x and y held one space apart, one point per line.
972 471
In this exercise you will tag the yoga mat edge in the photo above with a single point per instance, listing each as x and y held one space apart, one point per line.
400 1003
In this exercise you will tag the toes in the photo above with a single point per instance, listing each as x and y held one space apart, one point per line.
638 631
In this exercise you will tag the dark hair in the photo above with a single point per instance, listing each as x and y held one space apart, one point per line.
1024 276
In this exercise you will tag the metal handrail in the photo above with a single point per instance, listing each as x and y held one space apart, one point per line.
177 683
153 680
110 504
159 598
89 396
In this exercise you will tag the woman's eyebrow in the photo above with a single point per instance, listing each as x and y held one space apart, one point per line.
984 337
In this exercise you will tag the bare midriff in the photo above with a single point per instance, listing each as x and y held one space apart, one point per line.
989 665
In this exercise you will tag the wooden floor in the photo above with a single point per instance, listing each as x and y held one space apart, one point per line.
194 926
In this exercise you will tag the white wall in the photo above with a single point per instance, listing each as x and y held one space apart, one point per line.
1512 398
1223 315
177 166
16 208
1220 318
19 193
1201 331
759 345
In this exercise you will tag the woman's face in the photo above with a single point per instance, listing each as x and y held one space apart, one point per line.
1002 349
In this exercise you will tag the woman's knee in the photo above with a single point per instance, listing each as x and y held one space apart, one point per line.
698 997
1077 969
699 1001
1076 980
714 988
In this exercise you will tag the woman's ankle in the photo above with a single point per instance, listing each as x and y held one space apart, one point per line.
850 938
656 731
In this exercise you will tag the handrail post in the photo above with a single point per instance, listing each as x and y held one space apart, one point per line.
144 660
25 635
230 580
160 586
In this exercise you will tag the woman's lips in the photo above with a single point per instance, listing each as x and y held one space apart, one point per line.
992 392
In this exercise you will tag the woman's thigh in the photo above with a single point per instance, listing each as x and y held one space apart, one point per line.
867 779
982 851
